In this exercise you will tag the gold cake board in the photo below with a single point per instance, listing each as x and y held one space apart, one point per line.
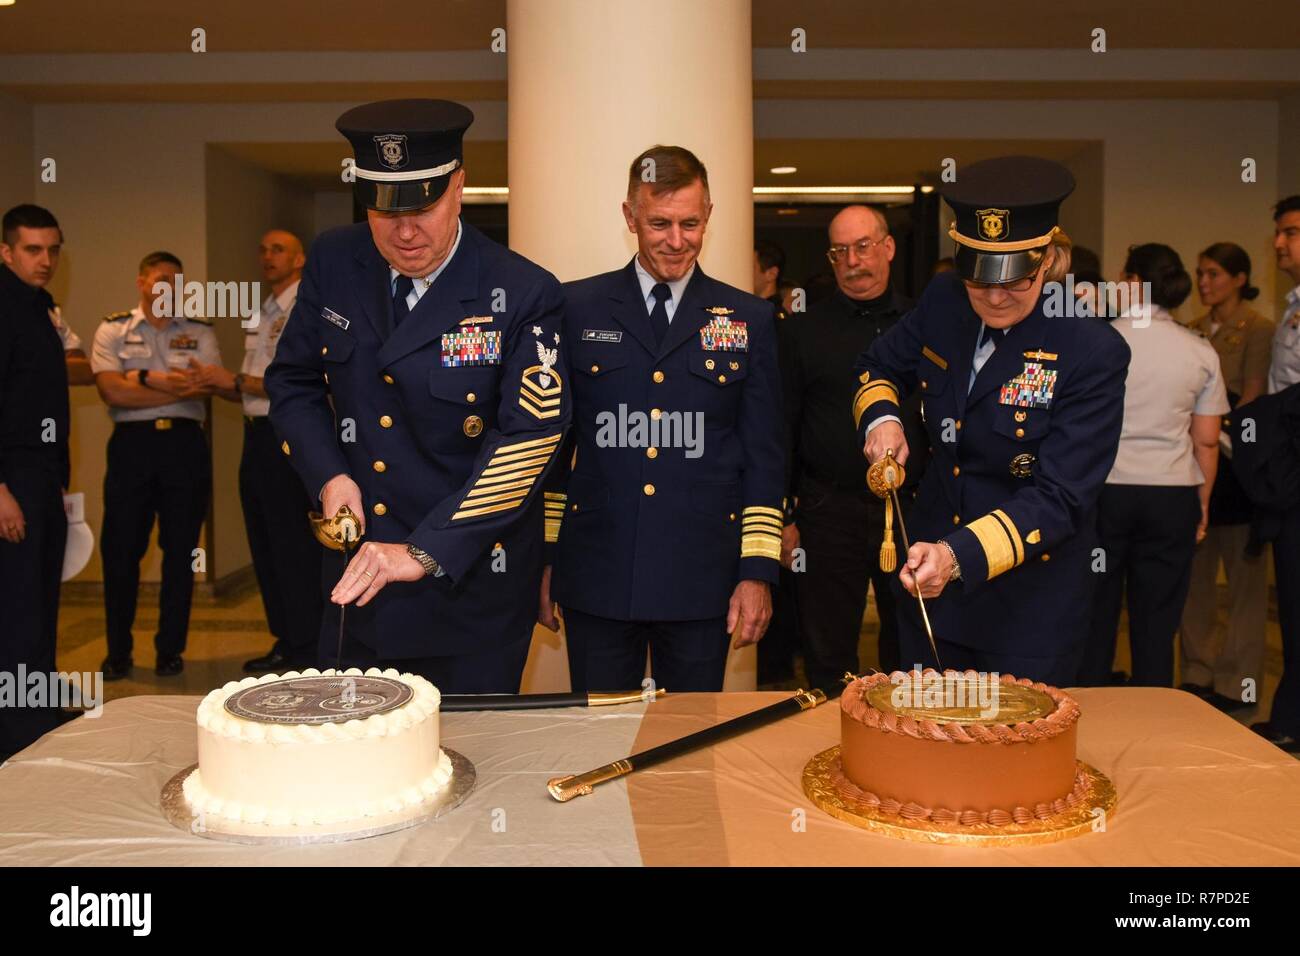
819 785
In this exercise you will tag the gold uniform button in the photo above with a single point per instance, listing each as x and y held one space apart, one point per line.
959 424
284 447
380 508
385 421
655 414
722 379
1020 433
388 379
379 466
924 385
731 517
324 350
956 519
573 507
658 376
471 397
955 471
595 369
649 489
473 426
652 452
1047 557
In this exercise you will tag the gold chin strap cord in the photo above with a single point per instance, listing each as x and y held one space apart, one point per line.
884 478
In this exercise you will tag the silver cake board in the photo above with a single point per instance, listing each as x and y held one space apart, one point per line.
178 812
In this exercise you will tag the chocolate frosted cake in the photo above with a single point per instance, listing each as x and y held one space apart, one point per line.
959 749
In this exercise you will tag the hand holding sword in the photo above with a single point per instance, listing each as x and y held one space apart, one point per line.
929 566
374 564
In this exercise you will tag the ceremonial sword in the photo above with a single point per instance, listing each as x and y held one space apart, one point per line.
884 478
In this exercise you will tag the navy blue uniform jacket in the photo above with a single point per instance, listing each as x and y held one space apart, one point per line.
1018 463
447 425
650 533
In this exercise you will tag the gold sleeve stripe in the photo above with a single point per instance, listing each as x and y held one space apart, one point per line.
490 509
554 496
532 461
476 498
531 443
763 523
508 478
869 394
1012 533
480 489
761 510
551 532
760 546
1001 543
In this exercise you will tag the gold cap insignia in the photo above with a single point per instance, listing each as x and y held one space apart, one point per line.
994 224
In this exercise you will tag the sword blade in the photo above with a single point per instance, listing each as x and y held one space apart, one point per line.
343 610
907 546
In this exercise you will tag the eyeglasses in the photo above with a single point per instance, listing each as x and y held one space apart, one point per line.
861 247
1017 285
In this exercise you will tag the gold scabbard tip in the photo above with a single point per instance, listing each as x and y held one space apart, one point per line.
564 789
622 697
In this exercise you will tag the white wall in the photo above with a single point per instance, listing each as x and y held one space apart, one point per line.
17 162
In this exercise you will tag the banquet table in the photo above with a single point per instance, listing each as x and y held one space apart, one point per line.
1195 789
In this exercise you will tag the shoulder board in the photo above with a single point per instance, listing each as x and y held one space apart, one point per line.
117 316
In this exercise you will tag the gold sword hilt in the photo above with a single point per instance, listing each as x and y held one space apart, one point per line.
565 789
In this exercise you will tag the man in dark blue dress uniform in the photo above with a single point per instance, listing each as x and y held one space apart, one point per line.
421 382
1023 408
669 525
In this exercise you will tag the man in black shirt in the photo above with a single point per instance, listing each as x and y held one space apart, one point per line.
33 464
836 521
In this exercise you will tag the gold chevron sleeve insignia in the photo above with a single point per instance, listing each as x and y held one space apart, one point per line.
539 392
760 532
554 502
1001 541
507 478
872 391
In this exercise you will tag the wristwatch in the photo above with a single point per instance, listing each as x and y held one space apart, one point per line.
239 382
955 573
431 568
144 376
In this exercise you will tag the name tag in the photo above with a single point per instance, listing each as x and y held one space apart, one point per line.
329 315
135 350
602 335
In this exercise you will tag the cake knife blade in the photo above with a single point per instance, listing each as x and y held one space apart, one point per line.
892 477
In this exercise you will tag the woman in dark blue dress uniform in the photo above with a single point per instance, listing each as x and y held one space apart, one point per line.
1023 404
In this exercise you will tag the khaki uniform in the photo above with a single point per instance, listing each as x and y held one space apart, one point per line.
1245 344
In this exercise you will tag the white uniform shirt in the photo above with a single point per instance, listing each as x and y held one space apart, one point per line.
1285 370
677 287
122 345
70 339
1173 374
260 340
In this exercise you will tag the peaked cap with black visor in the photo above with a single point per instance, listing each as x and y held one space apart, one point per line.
405 150
1007 213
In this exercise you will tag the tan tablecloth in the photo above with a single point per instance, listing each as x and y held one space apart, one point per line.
1195 789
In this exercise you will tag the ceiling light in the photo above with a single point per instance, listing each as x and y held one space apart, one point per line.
783 170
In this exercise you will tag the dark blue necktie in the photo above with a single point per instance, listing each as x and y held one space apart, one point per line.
404 286
659 314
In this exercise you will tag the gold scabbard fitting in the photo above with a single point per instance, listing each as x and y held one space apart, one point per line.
622 697
808 699
565 789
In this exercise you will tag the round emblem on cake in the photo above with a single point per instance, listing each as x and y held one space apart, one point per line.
955 698
318 700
